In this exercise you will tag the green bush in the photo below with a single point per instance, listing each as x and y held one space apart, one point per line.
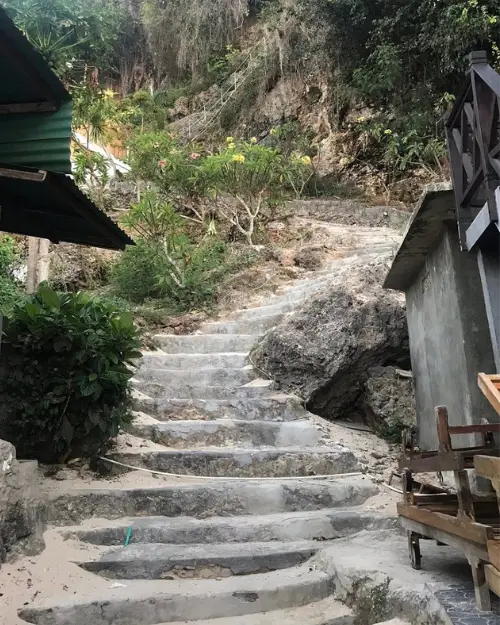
64 378
9 288
144 272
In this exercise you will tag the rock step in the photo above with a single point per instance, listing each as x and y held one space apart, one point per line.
152 602
161 561
325 612
234 462
160 360
267 309
275 407
317 525
197 377
223 432
204 343
257 388
244 326
208 499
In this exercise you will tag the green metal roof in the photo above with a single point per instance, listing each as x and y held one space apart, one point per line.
35 108
27 84
50 206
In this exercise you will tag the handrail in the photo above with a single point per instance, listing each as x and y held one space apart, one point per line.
473 134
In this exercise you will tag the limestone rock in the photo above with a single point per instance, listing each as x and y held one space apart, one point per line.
21 512
324 351
389 401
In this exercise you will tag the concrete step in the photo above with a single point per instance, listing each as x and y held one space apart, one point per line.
152 602
225 432
160 360
233 462
329 611
204 343
267 309
229 378
317 525
271 407
244 326
162 561
256 388
208 498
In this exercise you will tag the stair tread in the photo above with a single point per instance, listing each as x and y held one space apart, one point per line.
326 612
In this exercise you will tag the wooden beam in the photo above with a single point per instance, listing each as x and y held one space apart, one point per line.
494 552
490 390
492 575
469 530
17 174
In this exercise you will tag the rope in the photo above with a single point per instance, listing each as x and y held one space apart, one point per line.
226 479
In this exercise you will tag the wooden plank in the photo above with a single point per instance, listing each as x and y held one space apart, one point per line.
494 552
475 429
493 578
464 528
488 467
445 538
481 586
489 389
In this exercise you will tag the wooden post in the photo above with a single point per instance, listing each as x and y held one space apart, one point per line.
38 263
481 588
465 503
444 437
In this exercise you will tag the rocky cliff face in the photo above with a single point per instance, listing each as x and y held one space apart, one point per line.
325 351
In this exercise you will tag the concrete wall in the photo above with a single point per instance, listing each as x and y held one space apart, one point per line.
449 340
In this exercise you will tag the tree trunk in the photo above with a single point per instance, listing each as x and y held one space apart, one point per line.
38 263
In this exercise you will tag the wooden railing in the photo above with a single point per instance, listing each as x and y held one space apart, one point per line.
473 133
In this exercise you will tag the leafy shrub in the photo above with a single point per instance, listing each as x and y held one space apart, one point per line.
9 288
64 378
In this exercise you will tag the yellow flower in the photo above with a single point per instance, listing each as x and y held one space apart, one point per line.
361 119
253 140
108 94
229 139
273 132
306 160
388 132
238 158
231 146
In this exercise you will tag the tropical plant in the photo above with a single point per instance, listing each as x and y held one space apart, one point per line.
65 370
248 181
10 290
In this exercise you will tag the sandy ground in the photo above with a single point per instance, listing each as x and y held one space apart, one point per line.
49 575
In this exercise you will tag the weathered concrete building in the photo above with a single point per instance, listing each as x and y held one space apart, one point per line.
450 341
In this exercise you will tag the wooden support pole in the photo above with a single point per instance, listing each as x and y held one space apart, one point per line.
481 588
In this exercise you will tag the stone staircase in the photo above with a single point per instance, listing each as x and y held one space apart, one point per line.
233 543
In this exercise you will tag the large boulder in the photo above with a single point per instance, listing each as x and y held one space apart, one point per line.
389 401
324 351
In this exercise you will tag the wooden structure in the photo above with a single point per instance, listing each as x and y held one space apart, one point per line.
463 520
473 132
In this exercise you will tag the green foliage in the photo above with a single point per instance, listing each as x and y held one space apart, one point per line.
71 33
241 184
64 383
152 109
9 289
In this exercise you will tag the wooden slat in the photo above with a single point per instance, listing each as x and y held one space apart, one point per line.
493 578
494 552
487 384
474 532
475 429
488 467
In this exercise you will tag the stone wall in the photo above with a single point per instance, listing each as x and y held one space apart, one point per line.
21 510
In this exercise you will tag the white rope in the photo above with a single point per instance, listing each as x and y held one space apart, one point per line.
225 479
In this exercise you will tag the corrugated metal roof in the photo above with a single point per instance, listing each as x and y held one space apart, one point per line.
50 206
25 77
39 140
